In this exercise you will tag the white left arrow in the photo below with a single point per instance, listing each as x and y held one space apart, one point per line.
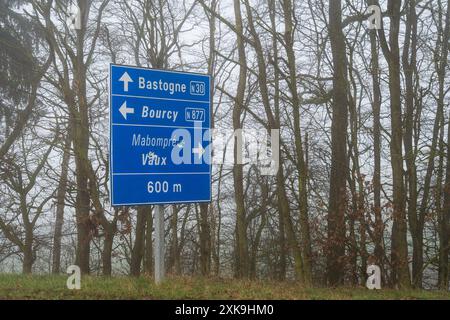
124 110
125 78
199 151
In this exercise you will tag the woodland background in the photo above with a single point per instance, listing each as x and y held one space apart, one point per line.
364 156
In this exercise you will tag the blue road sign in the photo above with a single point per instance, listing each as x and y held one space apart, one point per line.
160 140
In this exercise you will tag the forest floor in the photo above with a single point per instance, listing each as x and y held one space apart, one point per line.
54 287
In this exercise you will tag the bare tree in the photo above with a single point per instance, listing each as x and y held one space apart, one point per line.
339 162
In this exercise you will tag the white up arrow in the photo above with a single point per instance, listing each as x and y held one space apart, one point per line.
124 110
125 78
199 151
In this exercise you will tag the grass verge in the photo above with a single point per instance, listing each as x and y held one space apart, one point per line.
54 287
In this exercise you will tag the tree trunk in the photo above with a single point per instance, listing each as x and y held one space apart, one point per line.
79 115
283 248
409 66
28 258
445 214
107 251
60 203
444 226
82 208
205 241
356 182
378 229
283 207
238 177
305 239
138 248
399 252
281 265
174 263
83 230
339 168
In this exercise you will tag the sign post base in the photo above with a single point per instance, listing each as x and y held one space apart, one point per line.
159 244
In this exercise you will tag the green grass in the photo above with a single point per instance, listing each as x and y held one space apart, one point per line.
54 287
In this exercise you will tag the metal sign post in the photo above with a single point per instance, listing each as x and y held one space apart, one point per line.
159 141
159 244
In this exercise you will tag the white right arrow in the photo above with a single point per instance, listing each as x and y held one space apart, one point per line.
199 151
125 78
124 110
